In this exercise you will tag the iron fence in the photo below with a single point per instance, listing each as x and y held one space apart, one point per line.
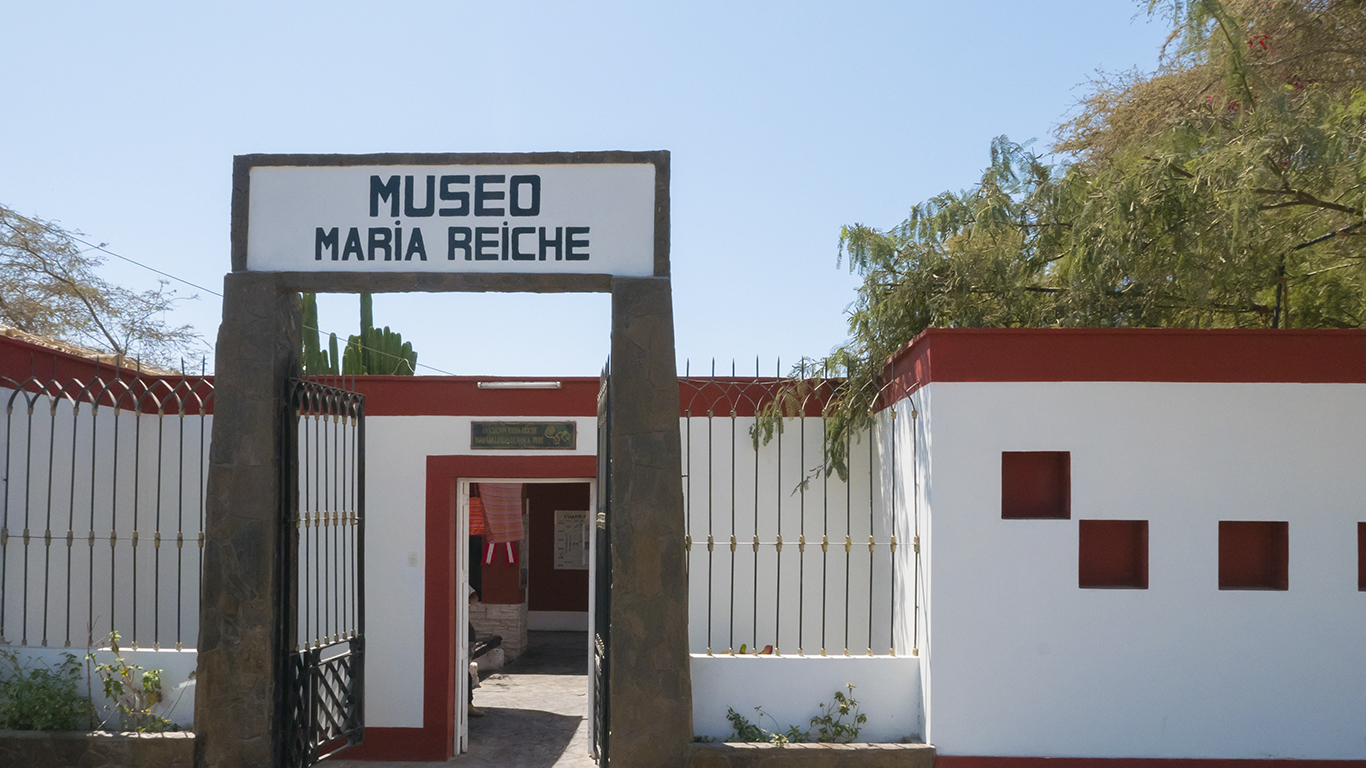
102 516
780 552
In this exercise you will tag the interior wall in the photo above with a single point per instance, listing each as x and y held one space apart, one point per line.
549 588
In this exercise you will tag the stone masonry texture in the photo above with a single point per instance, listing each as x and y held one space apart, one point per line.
238 696
650 685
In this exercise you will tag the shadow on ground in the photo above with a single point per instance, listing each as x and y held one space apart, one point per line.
527 738
535 711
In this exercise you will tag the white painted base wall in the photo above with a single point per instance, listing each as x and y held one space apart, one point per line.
792 688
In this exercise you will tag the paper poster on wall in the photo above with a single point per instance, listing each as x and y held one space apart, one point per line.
571 540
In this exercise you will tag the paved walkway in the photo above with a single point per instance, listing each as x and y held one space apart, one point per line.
535 711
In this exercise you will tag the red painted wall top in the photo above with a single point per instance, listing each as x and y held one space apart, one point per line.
461 396
938 354
1130 354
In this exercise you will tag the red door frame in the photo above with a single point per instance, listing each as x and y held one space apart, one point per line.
435 740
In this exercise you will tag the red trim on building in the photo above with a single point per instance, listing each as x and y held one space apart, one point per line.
1130 354
963 761
461 396
123 387
396 744
435 740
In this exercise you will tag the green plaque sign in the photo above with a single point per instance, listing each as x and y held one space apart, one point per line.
523 435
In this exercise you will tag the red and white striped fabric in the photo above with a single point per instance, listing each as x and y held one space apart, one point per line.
502 511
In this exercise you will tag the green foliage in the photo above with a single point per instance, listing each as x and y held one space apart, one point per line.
134 691
830 725
1225 190
375 351
41 698
743 730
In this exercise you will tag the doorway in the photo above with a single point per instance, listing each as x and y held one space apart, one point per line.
534 596
446 608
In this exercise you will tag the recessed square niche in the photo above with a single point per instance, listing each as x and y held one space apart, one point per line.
1113 554
1036 485
1361 556
1254 554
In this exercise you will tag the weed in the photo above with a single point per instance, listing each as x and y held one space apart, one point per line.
830 724
133 690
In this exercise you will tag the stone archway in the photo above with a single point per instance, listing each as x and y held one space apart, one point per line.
239 697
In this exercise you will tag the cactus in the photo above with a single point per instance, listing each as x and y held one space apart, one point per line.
315 362
377 350
374 351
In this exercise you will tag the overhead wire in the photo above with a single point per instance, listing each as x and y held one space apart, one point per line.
98 247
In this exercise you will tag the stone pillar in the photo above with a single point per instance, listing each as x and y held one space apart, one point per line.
238 697
650 686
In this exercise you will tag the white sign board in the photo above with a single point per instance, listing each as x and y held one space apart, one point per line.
571 540
535 219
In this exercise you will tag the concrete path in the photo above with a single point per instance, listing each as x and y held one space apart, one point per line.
535 711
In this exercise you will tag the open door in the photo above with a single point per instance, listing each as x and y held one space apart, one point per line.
322 566
600 607
461 489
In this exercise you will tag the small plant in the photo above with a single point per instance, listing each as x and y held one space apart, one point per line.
744 730
794 735
133 690
830 724
41 698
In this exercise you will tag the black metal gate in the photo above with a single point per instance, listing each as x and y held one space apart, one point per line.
602 592
323 572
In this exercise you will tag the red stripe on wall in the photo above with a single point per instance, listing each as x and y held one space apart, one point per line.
959 761
1130 354
123 388
461 396
396 744
435 740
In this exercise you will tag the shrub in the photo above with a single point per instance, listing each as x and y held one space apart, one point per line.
40 698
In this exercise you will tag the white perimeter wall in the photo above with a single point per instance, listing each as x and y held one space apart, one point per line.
1023 662
396 451
149 593
798 601
58 600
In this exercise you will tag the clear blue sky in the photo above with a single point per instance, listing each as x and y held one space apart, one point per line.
785 120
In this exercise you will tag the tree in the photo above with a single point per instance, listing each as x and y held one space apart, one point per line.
49 287
1227 189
